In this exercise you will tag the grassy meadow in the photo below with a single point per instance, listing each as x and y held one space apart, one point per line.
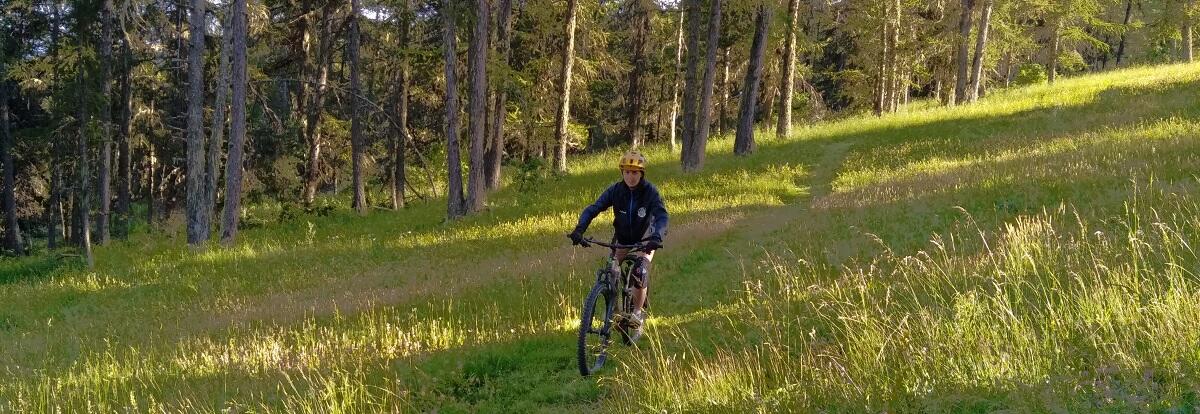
1033 252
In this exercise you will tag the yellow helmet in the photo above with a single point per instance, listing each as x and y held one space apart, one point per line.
633 160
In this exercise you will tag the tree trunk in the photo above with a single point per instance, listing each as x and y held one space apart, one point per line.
895 73
84 239
1052 66
217 132
495 151
197 216
1125 24
316 104
789 71
152 182
237 124
1187 39
105 165
964 36
124 157
689 80
12 236
722 114
641 30
675 83
743 143
1008 66
980 48
356 136
881 89
694 153
54 207
401 133
456 207
304 50
477 107
564 89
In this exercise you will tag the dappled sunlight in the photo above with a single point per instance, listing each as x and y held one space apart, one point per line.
869 263
1055 301
1147 147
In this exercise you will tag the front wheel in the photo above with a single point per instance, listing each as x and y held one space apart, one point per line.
595 328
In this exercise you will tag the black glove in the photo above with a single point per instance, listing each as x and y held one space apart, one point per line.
577 239
653 244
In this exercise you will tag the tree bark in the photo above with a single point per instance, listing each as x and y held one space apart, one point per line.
54 212
881 89
694 154
964 36
495 150
895 75
124 156
401 133
722 114
105 165
316 103
456 206
690 81
356 135
564 89
217 132
1052 66
641 29
197 216
743 143
477 107
784 128
152 182
237 124
675 81
1187 39
54 207
980 48
84 239
12 235
1125 24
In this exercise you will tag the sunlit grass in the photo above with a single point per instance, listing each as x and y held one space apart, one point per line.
1032 252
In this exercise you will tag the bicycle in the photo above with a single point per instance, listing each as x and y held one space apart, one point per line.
595 329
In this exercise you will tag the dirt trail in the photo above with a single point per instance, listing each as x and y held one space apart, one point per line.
390 285
820 184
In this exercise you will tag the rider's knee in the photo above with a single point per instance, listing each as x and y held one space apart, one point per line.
641 274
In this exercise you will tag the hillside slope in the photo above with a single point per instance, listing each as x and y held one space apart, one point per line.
1031 252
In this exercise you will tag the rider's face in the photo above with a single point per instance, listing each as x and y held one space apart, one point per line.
631 177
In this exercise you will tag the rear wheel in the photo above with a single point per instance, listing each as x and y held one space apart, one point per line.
595 329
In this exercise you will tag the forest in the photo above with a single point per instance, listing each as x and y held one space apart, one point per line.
132 115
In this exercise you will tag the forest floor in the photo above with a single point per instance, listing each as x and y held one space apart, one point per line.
1030 252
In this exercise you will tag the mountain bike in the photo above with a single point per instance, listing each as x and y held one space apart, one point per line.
600 308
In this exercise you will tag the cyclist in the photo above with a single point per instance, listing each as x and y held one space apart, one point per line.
638 215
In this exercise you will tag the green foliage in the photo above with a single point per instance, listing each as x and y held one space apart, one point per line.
1071 62
1030 74
916 256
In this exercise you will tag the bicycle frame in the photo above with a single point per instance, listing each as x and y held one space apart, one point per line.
608 284
619 282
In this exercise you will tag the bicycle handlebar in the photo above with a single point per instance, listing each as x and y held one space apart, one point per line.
632 247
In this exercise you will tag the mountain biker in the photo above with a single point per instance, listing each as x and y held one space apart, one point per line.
638 215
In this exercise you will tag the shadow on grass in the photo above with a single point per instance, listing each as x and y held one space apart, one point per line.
492 370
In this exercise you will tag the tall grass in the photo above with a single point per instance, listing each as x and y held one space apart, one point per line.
1032 252
1058 313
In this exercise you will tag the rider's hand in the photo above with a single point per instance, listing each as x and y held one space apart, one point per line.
577 239
653 244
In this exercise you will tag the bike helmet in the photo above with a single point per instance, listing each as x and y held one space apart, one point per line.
633 160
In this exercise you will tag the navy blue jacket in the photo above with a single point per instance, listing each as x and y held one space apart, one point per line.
634 210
